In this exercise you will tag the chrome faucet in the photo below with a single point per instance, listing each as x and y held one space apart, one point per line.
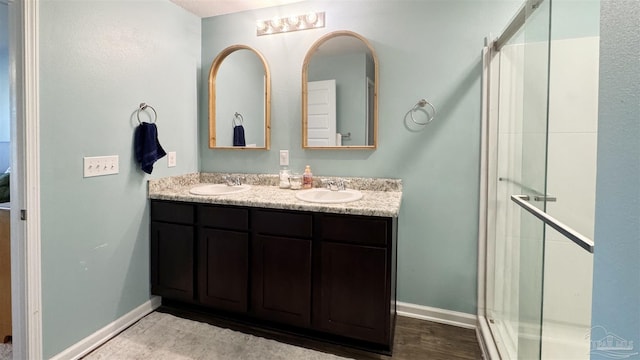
231 180
335 184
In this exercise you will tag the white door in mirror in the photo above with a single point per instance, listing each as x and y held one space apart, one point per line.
321 113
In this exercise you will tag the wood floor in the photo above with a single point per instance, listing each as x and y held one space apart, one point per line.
414 339
417 340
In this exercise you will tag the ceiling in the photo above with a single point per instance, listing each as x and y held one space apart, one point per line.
208 8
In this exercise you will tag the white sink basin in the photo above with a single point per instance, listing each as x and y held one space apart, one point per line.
327 196
218 189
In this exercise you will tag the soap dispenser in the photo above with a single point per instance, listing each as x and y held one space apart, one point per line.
307 178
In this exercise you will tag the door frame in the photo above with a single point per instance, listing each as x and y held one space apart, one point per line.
25 180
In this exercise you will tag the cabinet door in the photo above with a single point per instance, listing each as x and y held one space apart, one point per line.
281 285
172 260
223 273
352 296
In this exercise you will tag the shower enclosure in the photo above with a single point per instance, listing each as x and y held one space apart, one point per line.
540 95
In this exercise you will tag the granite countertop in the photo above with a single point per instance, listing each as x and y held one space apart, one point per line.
381 197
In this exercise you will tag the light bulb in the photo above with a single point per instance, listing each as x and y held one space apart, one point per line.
312 18
261 25
293 21
276 23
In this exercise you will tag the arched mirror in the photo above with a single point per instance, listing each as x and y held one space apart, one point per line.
340 93
239 100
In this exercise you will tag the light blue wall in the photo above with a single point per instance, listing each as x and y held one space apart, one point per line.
563 19
426 49
574 18
98 61
616 279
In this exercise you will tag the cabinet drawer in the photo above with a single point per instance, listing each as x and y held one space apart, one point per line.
172 212
223 217
292 224
354 229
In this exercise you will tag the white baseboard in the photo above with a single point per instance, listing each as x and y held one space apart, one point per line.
91 342
448 317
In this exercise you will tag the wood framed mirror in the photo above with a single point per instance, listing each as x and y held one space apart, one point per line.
239 100
340 93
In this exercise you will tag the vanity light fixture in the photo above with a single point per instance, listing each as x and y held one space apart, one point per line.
312 20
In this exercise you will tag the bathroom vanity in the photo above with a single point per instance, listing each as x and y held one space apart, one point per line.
327 270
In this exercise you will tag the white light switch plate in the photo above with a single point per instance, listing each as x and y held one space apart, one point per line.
101 165
284 157
171 159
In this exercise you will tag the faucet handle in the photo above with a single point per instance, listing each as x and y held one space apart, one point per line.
232 180
237 180
342 184
330 184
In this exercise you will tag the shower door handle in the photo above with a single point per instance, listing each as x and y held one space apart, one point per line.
580 240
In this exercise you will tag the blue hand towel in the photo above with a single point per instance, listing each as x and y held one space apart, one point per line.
147 147
238 136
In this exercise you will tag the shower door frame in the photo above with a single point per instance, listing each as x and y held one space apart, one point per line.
491 346
490 81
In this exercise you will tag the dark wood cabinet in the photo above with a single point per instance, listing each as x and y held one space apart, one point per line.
281 282
321 273
172 251
223 272
353 294
223 257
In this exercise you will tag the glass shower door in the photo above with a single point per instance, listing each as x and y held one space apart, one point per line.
514 306
533 177
541 161
571 178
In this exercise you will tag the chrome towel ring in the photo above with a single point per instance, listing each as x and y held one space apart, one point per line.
419 106
144 106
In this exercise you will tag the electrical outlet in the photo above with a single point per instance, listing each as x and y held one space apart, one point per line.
101 165
171 159
284 157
